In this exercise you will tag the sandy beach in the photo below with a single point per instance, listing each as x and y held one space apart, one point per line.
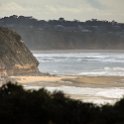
96 89
91 81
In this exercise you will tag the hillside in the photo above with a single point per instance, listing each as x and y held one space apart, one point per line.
63 34
15 58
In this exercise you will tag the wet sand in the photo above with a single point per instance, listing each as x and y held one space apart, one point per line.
84 81
96 89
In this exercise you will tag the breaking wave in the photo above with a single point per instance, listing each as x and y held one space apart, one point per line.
82 63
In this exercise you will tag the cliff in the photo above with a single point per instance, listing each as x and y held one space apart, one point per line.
15 58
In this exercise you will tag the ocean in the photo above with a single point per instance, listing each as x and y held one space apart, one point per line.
85 62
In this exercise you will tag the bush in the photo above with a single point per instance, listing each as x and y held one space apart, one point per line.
20 106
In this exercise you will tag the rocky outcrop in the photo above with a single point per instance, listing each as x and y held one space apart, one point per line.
15 58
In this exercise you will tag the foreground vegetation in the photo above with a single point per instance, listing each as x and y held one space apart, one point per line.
20 106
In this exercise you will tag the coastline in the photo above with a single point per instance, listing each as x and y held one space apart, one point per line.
95 89
92 81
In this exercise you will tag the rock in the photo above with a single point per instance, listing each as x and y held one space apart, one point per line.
15 57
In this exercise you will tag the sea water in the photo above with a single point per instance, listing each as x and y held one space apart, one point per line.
86 62
81 62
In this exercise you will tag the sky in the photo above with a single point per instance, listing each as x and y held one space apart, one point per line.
69 9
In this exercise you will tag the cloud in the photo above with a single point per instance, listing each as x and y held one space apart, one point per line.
69 9
96 4
12 6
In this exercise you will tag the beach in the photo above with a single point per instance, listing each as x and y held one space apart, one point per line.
96 89
84 81
92 81
89 75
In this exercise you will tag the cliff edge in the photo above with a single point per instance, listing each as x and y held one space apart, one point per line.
15 58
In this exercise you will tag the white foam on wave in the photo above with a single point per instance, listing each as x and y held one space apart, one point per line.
80 57
76 59
106 71
87 94
106 64
104 92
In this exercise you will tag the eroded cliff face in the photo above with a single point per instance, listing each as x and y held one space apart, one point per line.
15 57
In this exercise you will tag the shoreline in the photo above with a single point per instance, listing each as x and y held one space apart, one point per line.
90 81
95 89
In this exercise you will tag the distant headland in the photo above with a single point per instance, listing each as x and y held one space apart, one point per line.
64 34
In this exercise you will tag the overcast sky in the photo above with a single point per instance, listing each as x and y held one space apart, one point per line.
69 9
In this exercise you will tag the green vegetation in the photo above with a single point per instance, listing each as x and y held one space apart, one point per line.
19 106
64 34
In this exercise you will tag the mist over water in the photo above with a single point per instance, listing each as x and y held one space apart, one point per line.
81 62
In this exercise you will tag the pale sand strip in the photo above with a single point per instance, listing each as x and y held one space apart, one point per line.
29 79
77 81
100 81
